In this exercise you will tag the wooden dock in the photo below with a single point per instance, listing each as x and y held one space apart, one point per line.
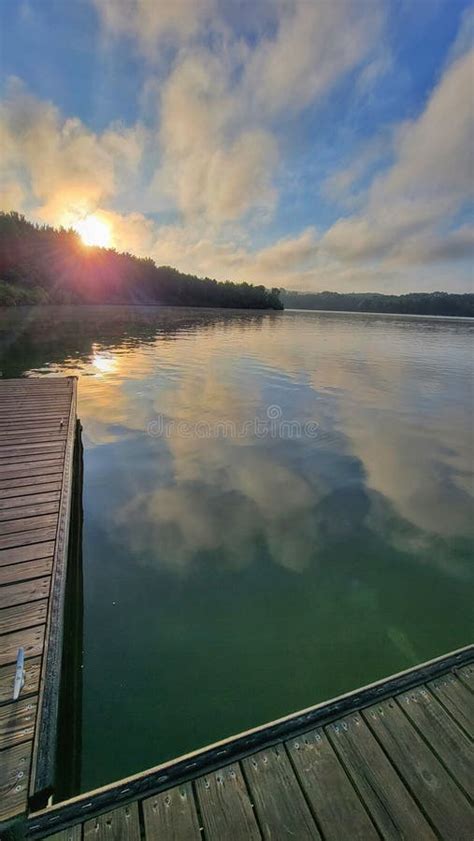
390 761
37 433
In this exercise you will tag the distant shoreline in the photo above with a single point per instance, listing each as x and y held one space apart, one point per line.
388 314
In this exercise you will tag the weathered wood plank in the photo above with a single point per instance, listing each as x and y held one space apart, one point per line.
418 766
30 501
280 806
388 801
172 815
17 722
33 437
74 833
31 639
10 450
458 700
32 677
14 771
30 469
443 735
27 524
333 799
20 616
30 487
35 510
26 538
225 806
120 825
32 552
26 459
14 573
39 468
24 592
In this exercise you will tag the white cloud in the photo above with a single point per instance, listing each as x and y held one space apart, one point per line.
429 182
151 20
69 170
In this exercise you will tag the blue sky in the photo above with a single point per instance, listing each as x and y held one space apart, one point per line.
311 144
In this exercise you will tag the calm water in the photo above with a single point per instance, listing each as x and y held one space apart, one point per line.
277 508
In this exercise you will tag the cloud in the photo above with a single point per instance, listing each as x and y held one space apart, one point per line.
314 45
212 164
148 21
68 169
429 182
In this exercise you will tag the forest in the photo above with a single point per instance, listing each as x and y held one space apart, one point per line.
413 303
45 265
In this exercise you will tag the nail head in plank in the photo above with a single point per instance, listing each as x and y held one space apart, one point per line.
440 797
333 799
172 815
387 799
17 722
120 825
30 639
280 806
225 806
32 677
14 772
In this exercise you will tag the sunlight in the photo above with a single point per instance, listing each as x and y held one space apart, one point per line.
93 231
103 361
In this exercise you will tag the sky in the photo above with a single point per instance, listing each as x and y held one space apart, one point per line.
305 144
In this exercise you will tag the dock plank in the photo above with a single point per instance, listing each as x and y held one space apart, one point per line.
119 825
422 771
15 573
31 552
24 592
34 510
329 791
280 806
14 771
30 639
18 540
225 806
27 524
458 700
20 616
29 501
26 485
389 803
17 722
74 833
172 815
443 735
32 677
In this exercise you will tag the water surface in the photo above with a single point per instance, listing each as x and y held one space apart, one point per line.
277 509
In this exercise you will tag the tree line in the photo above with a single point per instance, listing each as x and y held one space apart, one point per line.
40 264
413 303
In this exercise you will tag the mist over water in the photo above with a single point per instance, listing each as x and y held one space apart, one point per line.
277 509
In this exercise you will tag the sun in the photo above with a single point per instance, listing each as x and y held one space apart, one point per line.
93 231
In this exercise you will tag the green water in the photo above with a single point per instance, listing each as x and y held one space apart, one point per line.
277 508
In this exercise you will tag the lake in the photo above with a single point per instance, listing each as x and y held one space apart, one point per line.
277 509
